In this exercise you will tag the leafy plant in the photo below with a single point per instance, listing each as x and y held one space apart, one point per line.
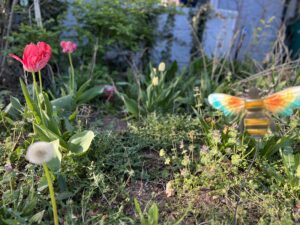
74 94
161 91
151 216
47 117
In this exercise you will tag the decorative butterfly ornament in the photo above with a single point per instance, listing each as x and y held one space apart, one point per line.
256 120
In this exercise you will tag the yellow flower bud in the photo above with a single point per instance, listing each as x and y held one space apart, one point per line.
162 67
155 81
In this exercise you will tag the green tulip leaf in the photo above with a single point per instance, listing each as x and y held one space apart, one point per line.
63 104
54 164
80 143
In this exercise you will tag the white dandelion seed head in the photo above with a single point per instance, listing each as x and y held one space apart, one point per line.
40 152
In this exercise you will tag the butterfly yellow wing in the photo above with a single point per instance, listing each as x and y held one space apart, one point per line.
283 102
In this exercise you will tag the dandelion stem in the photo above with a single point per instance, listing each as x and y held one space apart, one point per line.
52 196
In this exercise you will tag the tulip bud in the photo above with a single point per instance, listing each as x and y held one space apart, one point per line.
162 67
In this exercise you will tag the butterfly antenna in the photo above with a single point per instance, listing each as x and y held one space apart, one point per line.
257 146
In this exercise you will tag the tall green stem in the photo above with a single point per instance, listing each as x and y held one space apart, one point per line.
52 196
41 82
72 75
11 186
35 88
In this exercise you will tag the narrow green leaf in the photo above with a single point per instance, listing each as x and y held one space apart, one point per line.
47 105
138 209
89 94
131 105
44 134
26 94
153 214
33 106
83 87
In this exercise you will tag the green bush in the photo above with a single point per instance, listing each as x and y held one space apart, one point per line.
126 24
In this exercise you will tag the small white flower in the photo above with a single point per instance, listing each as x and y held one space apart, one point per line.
40 152
162 67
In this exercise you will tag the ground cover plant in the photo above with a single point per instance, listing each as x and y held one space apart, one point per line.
92 146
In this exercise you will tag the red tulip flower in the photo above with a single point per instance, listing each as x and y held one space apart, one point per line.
68 46
35 57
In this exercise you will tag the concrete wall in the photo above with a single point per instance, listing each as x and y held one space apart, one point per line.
218 36
174 40
260 20
256 26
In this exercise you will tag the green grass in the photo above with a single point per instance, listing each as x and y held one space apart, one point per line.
205 175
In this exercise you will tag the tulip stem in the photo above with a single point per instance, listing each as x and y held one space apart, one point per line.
72 75
35 89
52 196
41 82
